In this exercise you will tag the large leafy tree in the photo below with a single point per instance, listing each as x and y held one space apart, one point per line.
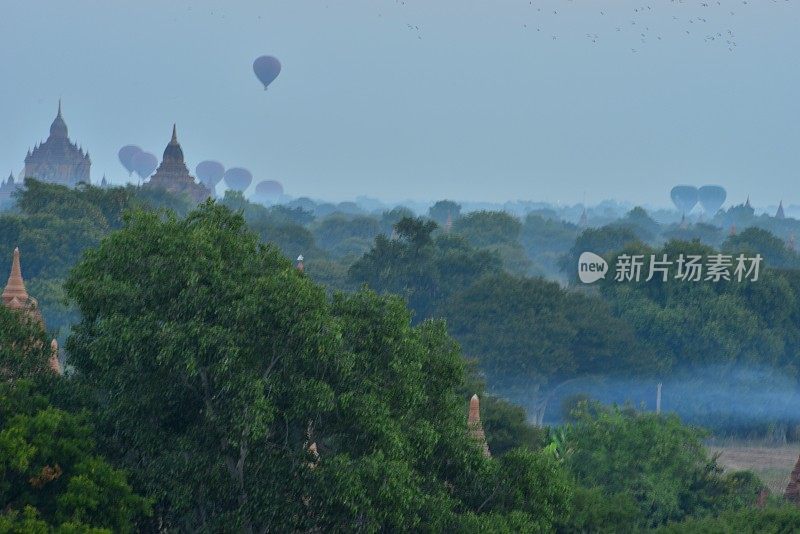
424 269
444 210
655 462
51 476
531 336
245 400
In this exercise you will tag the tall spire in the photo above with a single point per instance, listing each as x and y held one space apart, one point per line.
15 288
779 214
174 152
59 128
475 427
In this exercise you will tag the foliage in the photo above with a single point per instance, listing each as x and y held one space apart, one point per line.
773 520
220 364
757 240
24 346
546 239
345 235
656 461
423 269
488 228
444 210
574 335
601 241
50 473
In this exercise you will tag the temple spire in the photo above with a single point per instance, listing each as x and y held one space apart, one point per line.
53 362
15 288
59 108
779 214
174 133
475 427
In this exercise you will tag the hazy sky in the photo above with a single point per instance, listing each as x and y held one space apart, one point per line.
488 100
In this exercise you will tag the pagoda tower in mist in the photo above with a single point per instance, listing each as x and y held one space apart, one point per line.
173 175
58 160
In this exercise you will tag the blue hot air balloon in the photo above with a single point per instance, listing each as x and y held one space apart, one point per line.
210 173
684 197
126 155
238 179
267 69
268 191
711 198
144 163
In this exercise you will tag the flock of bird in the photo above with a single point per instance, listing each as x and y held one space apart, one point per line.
636 25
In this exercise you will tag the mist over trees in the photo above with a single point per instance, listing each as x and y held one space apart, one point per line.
213 386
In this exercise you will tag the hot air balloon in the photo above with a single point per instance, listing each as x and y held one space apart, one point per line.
210 173
267 69
684 197
711 198
126 155
238 179
268 191
144 163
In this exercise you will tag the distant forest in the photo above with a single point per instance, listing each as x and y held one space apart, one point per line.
201 363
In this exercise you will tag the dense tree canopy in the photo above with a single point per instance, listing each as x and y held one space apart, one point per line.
220 365
656 461
51 476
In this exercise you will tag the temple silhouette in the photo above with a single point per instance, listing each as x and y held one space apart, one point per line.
58 160
173 175
16 298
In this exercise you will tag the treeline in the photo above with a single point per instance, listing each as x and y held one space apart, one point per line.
480 271
212 386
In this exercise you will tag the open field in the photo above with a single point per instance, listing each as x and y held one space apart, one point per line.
772 464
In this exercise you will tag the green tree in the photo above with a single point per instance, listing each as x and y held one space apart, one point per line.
758 241
773 520
50 473
489 228
531 336
220 365
422 269
443 210
654 460
601 241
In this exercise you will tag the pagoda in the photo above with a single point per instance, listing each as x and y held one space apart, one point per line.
583 222
780 214
7 188
58 160
173 175
475 427
16 298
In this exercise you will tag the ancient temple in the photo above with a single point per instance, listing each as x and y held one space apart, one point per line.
475 427
173 175
7 189
780 214
15 297
58 160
